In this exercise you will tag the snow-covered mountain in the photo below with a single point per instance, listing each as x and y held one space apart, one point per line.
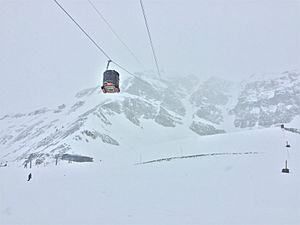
174 108
268 102
156 160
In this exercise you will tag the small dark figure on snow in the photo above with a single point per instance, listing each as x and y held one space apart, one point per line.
29 177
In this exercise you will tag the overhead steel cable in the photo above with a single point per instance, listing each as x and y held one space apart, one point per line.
87 35
114 32
93 41
150 39
123 68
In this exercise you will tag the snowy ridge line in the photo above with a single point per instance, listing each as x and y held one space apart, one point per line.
293 130
197 155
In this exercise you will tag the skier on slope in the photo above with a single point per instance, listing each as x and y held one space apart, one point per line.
29 177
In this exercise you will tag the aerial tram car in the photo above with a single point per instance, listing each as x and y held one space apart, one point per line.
110 80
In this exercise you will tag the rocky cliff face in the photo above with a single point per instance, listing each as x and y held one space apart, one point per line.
182 105
268 102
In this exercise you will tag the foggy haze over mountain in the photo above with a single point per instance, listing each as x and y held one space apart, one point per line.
45 59
214 139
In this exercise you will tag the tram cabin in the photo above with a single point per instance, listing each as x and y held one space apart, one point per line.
110 82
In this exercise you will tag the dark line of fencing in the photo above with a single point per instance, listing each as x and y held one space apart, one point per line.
293 130
195 156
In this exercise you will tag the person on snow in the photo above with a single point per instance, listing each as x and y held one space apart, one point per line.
29 177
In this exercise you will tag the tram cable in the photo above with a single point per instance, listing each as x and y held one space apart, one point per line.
150 39
114 32
94 42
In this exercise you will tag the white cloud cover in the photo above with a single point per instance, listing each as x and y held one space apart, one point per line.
45 59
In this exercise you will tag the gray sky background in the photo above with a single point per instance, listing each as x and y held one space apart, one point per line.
45 59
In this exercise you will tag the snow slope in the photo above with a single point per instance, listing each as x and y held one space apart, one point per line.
175 109
235 188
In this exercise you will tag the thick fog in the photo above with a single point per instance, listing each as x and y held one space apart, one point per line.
45 59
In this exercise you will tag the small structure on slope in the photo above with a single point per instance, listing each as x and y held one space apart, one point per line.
285 170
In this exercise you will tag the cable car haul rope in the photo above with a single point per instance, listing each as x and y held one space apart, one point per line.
150 39
115 74
114 32
111 77
86 34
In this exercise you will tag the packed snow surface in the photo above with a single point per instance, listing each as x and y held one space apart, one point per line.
236 179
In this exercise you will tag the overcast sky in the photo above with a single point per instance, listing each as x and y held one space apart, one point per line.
45 59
